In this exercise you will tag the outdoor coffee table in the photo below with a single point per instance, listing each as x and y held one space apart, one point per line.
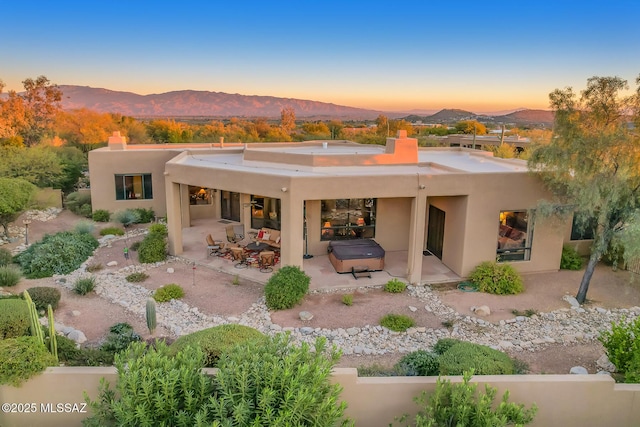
257 246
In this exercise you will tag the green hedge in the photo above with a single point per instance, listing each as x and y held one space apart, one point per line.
59 253
215 341
153 248
570 259
286 288
168 292
14 318
43 296
22 358
482 359
419 363
494 278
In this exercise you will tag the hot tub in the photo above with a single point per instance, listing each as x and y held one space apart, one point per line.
364 253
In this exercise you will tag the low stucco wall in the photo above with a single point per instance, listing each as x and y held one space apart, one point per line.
563 400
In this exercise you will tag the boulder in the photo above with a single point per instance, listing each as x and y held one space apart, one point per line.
483 310
112 263
77 336
578 370
305 316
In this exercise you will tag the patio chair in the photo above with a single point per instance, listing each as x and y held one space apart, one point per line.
266 261
235 233
239 255
213 247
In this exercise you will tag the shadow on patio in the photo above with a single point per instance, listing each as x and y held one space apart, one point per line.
322 273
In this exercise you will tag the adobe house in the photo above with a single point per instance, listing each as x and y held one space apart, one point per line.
463 206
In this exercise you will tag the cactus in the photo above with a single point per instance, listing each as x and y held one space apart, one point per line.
53 340
151 315
35 328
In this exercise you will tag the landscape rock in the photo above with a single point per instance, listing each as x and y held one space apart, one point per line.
305 316
170 270
605 364
75 313
578 370
573 302
112 263
413 309
77 336
483 310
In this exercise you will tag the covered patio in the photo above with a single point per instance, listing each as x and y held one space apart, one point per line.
319 268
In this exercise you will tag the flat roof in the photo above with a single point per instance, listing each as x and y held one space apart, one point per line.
430 161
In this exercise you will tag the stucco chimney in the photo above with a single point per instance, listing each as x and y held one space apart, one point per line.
221 141
403 149
117 142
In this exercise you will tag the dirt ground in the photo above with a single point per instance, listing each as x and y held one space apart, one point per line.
214 293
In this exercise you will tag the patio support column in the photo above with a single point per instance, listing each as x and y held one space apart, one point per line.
416 237
291 235
174 219
185 213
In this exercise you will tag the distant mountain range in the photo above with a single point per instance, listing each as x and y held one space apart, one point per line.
191 103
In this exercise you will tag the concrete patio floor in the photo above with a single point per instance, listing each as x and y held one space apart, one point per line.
322 273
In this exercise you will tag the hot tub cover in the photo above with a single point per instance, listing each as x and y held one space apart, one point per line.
356 249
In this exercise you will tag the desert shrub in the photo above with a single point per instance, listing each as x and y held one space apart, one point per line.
286 288
154 389
43 296
139 276
444 344
570 259
460 404
88 356
59 253
92 268
10 275
22 358
267 372
84 226
14 318
378 370
101 215
116 231
494 278
119 338
168 292
160 229
84 285
79 203
153 248
484 360
6 257
347 299
397 322
622 343
126 217
419 363
215 341
145 216
395 286
135 246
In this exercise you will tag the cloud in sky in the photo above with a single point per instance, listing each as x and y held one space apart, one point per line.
462 54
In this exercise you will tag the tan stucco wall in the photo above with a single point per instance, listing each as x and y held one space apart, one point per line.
104 164
563 400
472 202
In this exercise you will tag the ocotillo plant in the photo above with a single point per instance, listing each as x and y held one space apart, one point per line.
53 340
151 315
35 328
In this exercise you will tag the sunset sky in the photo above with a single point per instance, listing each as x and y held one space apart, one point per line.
478 56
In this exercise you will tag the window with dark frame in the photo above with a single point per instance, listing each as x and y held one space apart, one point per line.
346 219
514 236
133 186
584 230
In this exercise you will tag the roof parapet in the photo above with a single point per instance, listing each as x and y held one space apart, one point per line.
117 142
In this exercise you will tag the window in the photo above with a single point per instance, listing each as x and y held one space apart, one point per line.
344 219
514 236
199 196
265 212
582 228
131 187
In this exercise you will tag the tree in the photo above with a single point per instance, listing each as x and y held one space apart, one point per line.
382 125
85 128
15 196
471 126
288 119
42 103
591 165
